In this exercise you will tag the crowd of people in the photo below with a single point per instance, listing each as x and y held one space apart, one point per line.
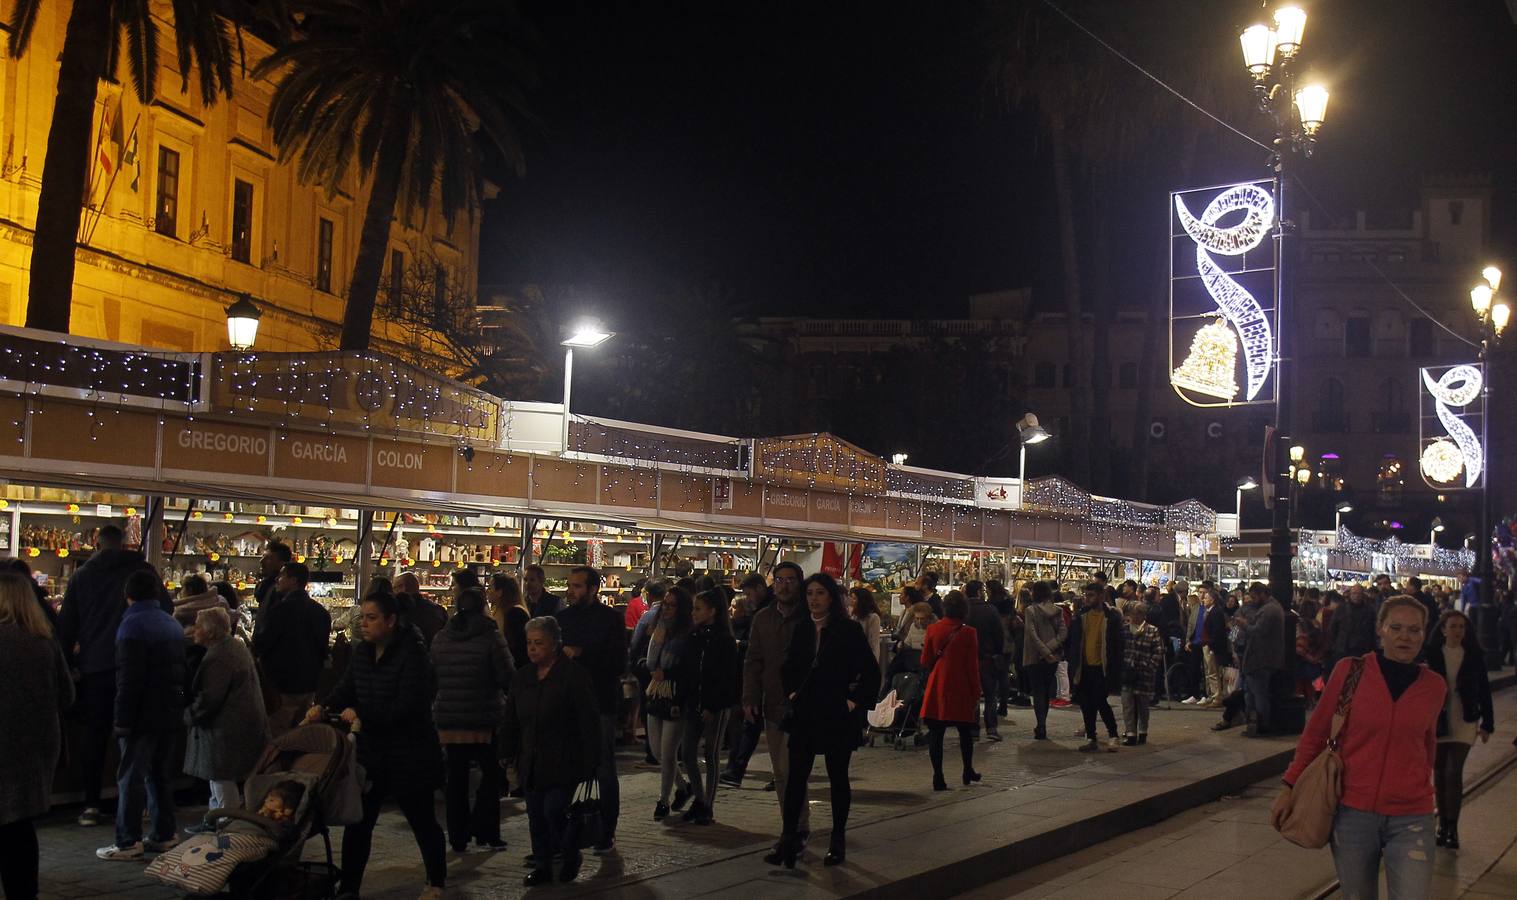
508 679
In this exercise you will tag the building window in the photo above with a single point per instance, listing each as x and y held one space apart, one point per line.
1127 376
397 277
1069 375
242 221
1044 375
1419 336
1331 416
166 216
1356 336
324 255
439 288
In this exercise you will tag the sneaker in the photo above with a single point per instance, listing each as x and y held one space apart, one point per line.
1090 747
1221 726
170 843
993 736
115 853
200 828
1059 704
604 849
89 817
1191 700
730 779
494 846
1112 743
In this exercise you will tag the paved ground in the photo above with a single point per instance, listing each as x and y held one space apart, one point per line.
1227 849
888 785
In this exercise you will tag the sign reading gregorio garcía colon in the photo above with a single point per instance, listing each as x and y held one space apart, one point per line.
351 392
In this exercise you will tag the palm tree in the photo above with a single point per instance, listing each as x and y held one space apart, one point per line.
399 88
92 49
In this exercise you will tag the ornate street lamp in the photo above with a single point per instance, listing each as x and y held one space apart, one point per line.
242 323
1493 313
1272 57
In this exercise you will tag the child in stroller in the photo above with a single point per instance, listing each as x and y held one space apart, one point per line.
306 780
204 863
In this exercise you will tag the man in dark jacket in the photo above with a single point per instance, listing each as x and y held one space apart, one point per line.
1264 657
291 643
535 593
1414 587
148 708
595 637
276 555
1353 627
992 634
474 668
93 605
1094 652
1216 653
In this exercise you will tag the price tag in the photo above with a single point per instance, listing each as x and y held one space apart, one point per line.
103 510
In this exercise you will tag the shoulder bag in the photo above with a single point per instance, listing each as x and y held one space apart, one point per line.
789 714
1308 822
943 649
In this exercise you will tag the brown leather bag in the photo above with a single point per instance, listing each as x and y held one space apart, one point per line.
1308 822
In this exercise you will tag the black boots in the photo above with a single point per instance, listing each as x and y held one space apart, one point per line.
1448 833
785 852
836 851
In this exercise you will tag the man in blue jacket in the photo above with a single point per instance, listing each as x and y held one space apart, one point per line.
93 604
149 708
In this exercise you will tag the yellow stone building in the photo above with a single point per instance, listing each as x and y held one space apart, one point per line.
189 207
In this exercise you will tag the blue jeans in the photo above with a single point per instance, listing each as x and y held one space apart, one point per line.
1362 839
1256 696
605 774
547 809
147 761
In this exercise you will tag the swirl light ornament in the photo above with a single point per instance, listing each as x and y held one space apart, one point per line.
1457 387
1236 304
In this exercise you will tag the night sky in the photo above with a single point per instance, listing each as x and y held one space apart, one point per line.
849 158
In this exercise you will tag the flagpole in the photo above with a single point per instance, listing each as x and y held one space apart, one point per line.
110 184
95 160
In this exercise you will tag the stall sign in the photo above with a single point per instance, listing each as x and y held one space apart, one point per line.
307 456
351 390
818 460
411 467
205 446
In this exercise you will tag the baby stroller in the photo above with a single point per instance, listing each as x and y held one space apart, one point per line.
254 856
907 688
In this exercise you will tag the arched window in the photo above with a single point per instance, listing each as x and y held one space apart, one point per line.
1356 335
1127 376
1332 416
1044 374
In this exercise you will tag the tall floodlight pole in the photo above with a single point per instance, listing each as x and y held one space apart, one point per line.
1493 314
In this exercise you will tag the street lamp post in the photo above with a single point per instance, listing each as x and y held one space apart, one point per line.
1338 517
585 336
1493 314
1432 534
1272 56
1028 432
1246 483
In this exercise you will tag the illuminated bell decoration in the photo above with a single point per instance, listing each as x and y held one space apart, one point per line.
300 558
215 557
73 507
228 517
262 519
1442 461
197 514
1212 361
436 563
63 553
131 510
33 551
296 521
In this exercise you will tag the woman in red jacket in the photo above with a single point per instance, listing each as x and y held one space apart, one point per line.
951 656
1388 748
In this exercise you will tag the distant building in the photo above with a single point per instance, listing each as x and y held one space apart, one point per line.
188 207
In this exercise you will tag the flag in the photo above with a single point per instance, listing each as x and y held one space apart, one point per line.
130 158
110 146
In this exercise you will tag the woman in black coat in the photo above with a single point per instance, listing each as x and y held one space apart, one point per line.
552 728
829 677
474 668
710 675
386 696
1468 715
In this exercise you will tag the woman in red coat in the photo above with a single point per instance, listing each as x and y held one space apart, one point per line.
951 654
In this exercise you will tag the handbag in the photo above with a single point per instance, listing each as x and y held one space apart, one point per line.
584 820
1308 820
662 699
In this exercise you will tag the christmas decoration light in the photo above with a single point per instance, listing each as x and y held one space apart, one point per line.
1209 367
1457 386
1442 461
1240 307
